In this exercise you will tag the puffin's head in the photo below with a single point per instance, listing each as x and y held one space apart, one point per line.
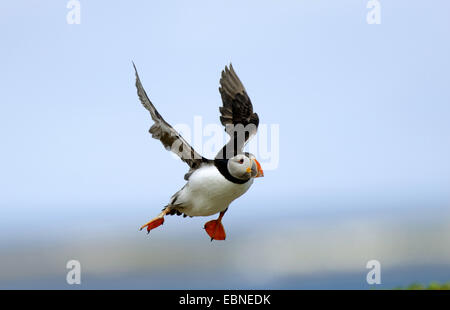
244 166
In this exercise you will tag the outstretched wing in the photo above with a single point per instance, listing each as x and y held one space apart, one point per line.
165 133
236 113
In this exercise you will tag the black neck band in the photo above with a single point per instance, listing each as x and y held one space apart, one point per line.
222 166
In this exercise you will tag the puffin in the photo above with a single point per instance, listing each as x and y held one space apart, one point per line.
212 184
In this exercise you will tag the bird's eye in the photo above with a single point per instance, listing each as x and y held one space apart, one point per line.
241 161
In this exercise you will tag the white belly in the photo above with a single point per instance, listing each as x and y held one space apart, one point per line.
208 192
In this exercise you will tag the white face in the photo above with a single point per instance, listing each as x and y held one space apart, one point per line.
242 167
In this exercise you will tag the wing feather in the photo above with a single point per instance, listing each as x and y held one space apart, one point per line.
237 115
165 133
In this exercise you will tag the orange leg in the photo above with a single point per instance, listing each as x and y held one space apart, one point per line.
157 221
215 228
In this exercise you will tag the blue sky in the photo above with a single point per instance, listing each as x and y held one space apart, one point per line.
362 109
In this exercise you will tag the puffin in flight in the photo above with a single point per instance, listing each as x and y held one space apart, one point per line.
212 184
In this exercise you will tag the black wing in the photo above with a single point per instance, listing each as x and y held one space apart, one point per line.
165 133
236 114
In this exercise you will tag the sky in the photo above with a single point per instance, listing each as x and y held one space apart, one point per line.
362 110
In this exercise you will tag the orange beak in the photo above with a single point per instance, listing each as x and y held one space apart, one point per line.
258 172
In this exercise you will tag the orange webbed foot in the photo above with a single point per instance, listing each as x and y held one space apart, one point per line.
153 224
215 230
